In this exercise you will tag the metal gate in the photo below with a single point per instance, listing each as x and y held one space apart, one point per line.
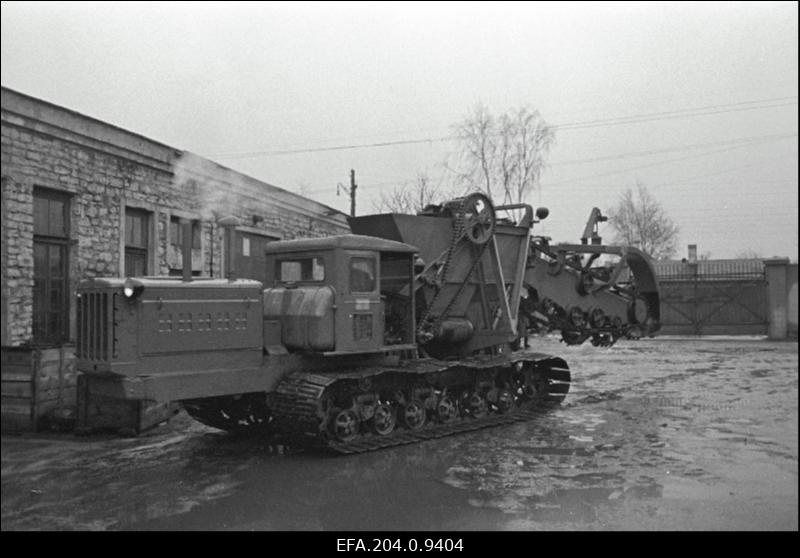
714 300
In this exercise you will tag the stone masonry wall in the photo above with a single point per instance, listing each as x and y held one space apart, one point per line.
18 252
105 169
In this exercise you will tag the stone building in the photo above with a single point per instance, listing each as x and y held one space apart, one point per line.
83 198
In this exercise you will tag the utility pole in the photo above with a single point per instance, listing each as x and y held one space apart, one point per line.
351 191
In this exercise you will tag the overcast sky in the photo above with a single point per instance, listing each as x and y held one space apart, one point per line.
713 88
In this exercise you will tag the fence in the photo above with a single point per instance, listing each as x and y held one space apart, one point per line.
729 297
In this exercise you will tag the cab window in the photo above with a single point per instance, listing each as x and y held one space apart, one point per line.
362 275
301 269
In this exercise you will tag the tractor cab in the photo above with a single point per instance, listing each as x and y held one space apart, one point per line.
338 295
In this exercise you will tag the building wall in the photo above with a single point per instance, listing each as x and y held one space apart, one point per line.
105 169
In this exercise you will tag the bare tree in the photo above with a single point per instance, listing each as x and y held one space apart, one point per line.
639 220
411 198
749 254
503 156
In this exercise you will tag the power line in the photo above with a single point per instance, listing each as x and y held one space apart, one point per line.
741 167
664 116
687 180
691 180
633 119
746 140
335 148
654 164
433 128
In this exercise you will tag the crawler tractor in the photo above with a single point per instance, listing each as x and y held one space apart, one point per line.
405 330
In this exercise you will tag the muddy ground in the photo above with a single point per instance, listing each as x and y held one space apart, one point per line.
657 434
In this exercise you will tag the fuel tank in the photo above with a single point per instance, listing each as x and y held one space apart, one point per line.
303 316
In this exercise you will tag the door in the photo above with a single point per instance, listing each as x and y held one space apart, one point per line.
250 257
362 309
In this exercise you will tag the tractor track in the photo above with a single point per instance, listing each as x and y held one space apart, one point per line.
301 411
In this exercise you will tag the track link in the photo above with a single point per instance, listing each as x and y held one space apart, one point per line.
403 437
303 402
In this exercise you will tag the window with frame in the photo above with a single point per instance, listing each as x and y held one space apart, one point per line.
137 241
50 266
176 233
362 275
301 269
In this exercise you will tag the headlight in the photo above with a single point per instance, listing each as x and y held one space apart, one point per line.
131 289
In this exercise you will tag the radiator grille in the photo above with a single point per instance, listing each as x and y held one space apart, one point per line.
95 335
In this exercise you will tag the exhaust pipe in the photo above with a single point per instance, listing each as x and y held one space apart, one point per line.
186 248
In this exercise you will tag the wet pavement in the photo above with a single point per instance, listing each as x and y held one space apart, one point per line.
656 434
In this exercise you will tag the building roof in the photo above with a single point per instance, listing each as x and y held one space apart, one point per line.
64 123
